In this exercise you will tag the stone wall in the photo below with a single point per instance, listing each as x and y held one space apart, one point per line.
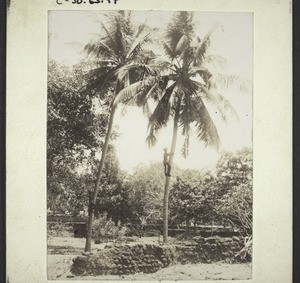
212 249
125 260
147 258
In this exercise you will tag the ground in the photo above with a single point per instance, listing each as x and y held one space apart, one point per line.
68 248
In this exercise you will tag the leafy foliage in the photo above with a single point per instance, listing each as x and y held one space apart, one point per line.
234 185
118 58
234 169
67 192
104 229
74 131
191 198
183 84
236 207
72 123
146 192
223 197
183 97
113 198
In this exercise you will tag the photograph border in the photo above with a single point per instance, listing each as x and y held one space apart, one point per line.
26 135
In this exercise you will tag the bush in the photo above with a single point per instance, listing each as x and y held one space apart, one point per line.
105 230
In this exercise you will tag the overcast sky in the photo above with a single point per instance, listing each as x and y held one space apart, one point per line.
70 30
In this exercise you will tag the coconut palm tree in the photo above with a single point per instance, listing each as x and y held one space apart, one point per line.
182 85
121 45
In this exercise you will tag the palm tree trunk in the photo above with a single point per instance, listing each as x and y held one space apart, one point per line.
168 178
88 243
166 208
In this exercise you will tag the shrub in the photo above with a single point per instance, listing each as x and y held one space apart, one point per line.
105 230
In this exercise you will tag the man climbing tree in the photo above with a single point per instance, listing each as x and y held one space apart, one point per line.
167 165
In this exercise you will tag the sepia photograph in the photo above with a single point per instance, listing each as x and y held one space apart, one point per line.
149 145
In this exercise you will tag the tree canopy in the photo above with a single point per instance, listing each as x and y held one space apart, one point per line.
74 131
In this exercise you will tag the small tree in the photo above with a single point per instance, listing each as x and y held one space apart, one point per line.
105 229
234 184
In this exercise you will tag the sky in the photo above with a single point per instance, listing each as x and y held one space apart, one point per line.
69 31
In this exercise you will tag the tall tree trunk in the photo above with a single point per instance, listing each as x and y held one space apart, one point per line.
168 178
88 243
166 208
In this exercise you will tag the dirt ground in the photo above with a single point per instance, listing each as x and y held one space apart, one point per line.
59 265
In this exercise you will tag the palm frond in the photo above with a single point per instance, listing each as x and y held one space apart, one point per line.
117 35
225 81
140 30
110 37
99 81
143 95
122 71
188 87
139 40
98 63
126 80
146 109
204 44
214 63
121 38
131 92
99 50
151 91
206 129
182 44
202 72
99 71
168 50
128 92
151 138
161 113
222 104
